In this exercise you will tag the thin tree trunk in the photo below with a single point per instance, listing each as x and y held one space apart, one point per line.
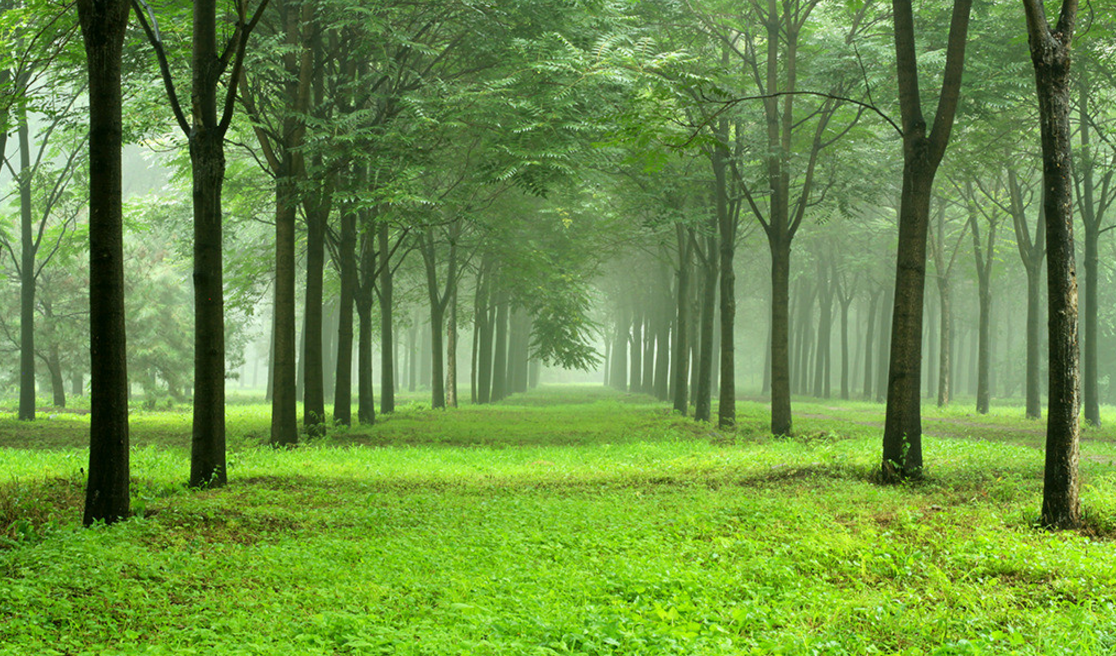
704 397
500 357
387 330
869 343
681 350
346 252
26 279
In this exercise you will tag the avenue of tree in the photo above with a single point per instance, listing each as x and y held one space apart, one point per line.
695 200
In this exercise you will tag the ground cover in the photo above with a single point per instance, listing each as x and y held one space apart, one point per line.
567 521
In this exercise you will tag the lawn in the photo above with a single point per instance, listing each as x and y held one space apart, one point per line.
565 521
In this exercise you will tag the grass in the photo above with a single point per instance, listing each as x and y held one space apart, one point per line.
566 521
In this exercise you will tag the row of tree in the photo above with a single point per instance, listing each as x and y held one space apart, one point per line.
495 159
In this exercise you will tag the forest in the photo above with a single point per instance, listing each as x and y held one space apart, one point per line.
557 326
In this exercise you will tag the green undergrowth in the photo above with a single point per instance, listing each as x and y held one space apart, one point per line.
560 522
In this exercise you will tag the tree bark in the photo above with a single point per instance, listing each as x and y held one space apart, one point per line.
103 25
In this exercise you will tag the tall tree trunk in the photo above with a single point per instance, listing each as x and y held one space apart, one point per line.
1050 54
103 25
648 378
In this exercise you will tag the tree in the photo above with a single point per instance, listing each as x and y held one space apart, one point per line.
922 154
1032 250
103 24
281 142
205 132
1050 55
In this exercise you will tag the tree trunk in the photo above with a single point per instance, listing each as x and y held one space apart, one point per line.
825 326
984 348
845 346
284 419
648 377
1050 54
366 403
103 25
1090 383
500 357
1034 300
482 329
207 461
346 254
681 351
57 384
662 346
780 339
451 351
313 399
618 370
945 353
635 357
26 278
387 332
703 399
869 344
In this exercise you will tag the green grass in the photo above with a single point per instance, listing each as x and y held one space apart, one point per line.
566 521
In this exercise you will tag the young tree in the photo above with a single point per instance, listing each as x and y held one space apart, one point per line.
103 24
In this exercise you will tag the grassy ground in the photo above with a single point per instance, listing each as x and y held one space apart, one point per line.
568 521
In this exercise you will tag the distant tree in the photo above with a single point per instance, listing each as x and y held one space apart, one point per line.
103 25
